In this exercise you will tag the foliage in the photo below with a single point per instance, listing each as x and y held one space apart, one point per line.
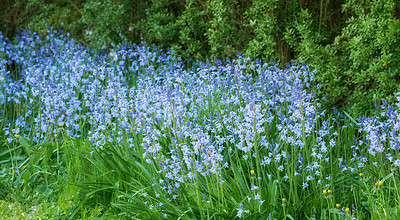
359 68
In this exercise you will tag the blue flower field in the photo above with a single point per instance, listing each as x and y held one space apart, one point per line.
138 133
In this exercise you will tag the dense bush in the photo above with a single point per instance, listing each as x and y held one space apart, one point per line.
354 45
361 66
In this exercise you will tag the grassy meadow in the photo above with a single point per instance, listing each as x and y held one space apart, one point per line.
137 133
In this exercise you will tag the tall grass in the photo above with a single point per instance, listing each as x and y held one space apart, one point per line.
137 133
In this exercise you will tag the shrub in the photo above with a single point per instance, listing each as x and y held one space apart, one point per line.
361 66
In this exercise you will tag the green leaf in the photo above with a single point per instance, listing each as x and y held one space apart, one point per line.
351 118
24 142
289 216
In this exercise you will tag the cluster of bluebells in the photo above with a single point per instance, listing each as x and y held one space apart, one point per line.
381 135
189 120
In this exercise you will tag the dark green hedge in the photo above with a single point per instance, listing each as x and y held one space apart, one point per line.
354 45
